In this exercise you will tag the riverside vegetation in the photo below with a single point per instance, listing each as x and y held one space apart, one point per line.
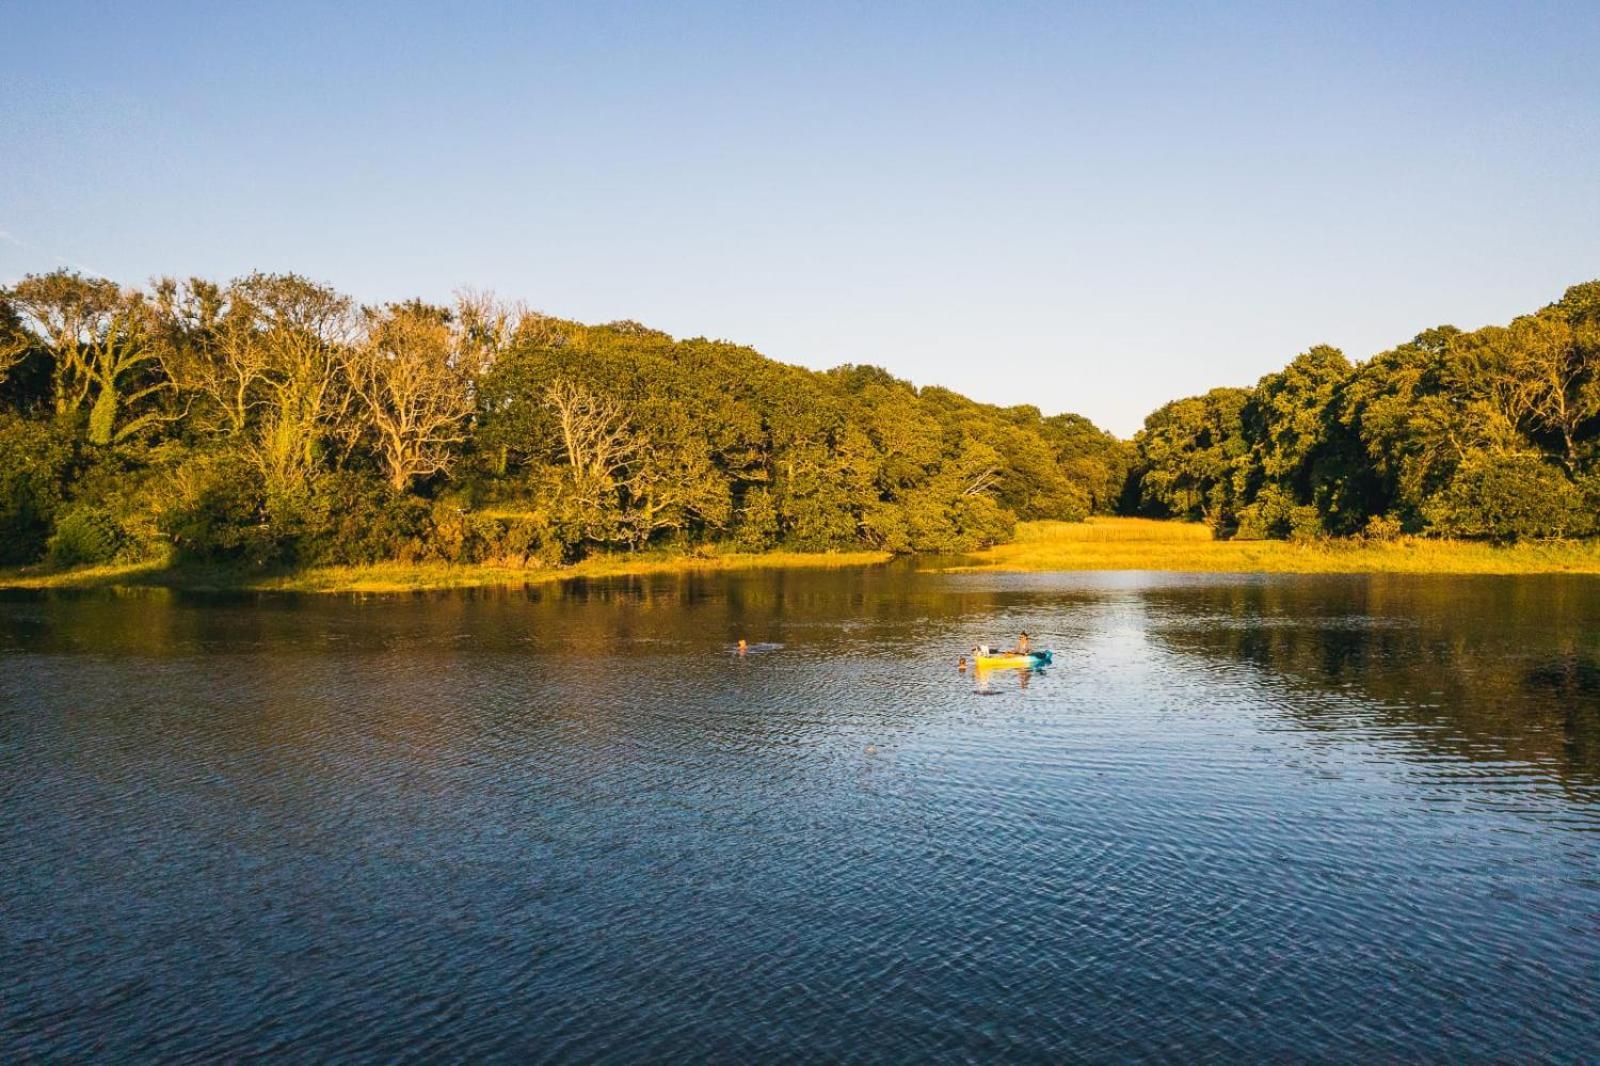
270 432
271 426
1108 543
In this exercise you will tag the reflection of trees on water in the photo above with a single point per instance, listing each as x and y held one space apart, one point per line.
432 685
1485 669
879 606
1476 668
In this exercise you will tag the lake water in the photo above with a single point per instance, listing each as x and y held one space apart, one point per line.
1240 818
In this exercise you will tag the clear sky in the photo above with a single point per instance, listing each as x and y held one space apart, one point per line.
1092 207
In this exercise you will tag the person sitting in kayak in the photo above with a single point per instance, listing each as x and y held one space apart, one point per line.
1022 644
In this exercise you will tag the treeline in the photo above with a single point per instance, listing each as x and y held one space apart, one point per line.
1493 433
273 421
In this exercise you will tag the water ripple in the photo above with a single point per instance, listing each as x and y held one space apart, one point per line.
1239 818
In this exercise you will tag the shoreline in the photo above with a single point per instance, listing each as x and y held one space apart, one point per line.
410 577
1188 547
1100 544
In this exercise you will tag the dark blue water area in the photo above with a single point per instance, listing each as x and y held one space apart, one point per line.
1240 818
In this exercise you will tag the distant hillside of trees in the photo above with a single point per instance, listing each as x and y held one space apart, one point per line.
273 421
1489 434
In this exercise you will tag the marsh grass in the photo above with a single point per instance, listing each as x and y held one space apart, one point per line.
1147 544
411 577
1098 544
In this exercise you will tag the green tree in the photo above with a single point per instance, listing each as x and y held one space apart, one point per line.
98 341
1190 455
37 462
1508 496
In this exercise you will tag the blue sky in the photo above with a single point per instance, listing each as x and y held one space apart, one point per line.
1093 208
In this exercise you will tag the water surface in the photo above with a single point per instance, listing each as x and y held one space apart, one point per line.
1241 817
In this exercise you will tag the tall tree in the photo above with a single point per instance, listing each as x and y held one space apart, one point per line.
1190 452
97 337
291 337
412 374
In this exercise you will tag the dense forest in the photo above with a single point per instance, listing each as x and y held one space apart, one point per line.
1493 433
272 421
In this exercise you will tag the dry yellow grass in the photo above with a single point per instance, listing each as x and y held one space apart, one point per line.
404 577
1146 544
1099 544
110 575
410 577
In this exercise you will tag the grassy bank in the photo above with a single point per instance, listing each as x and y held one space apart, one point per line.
1145 544
408 577
1099 544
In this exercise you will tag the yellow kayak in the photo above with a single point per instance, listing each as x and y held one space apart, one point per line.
1013 662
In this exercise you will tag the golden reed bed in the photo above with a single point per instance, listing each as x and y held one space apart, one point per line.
1147 544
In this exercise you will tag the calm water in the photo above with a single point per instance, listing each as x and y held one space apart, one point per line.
1241 818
